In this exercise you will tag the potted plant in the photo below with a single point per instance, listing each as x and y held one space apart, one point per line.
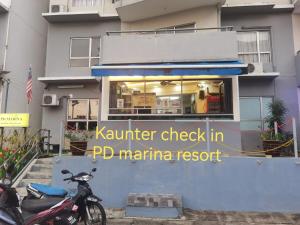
78 141
271 140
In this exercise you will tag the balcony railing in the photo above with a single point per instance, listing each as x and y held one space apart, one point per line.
170 31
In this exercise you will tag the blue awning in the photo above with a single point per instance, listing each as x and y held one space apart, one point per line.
224 68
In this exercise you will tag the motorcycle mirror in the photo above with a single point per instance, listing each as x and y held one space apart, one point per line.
65 171
94 169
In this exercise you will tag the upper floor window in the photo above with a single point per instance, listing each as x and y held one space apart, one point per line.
255 46
85 3
177 29
84 52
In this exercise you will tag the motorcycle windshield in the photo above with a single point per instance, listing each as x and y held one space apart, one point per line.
5 217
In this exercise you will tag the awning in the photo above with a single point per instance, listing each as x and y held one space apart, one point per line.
224 68
63 80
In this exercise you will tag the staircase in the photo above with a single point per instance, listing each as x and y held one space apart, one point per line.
39 171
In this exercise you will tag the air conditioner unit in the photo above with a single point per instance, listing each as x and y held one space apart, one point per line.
50 100
58 8
258 68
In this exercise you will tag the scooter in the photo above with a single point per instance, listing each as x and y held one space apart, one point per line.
84 206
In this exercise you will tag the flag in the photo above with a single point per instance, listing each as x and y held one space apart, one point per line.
29 86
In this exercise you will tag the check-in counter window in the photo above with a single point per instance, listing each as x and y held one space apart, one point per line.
172 98
82 114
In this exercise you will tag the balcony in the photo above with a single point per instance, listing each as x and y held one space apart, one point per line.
257 6
133 10
188 45
4 6
79 11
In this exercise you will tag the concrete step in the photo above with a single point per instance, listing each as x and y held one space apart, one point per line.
38 175
25 182
45 161
41 168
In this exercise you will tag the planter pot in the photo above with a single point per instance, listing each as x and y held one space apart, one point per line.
78 148
271 144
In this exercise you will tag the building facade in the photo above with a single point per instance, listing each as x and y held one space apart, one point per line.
17 54
264 39
156 65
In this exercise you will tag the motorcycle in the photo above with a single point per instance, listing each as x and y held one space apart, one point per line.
84 206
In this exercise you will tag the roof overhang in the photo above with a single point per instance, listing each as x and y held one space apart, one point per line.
134 10
76 17
181 69
272 75
256 8
68 80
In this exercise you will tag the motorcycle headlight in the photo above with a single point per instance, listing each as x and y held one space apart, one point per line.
83 178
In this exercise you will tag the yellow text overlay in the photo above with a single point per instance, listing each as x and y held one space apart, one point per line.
107 153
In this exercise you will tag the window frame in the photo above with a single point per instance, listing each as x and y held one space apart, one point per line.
258 53
261 112
87 120
89 57
182 80
95 3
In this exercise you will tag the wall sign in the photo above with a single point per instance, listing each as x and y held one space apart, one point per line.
14 120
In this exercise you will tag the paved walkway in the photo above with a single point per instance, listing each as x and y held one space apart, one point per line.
216 218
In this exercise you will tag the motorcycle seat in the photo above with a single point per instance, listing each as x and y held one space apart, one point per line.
48 190
39 205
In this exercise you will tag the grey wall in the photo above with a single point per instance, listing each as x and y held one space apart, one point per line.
52 116
26 45
236 184
58 46
283 87
187 47
256 87
282 36
298 68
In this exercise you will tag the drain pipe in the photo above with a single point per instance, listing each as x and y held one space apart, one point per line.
7 81
6 42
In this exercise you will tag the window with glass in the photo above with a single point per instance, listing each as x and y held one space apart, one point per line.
171 97
83 114
85 52
254 111
85 3
255 46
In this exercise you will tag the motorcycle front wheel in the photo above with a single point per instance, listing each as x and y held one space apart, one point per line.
95 214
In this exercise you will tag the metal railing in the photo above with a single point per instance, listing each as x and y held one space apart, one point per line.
33 147
164 31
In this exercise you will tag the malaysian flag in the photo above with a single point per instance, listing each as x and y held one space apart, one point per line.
29 86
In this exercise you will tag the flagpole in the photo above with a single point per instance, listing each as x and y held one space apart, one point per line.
29 84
